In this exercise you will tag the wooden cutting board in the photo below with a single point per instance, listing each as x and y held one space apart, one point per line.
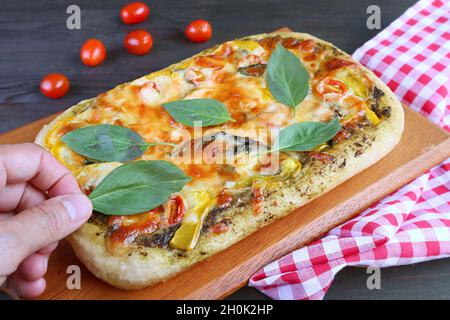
422 146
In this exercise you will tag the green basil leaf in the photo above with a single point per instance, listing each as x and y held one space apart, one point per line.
137 187
287 78
304 136
106 142
209 112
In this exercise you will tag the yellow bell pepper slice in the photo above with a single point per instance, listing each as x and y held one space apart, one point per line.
186 237
289 168
373 118
184 64
321 147
249 45
71 162
351 79
160 73
266 94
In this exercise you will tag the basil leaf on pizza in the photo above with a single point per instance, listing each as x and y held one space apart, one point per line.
287 78
107 142
198 112
305 136
137 187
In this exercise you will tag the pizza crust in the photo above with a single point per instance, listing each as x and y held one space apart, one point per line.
143 266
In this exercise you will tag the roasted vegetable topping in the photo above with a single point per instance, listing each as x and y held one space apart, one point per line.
224 199
176 209
255 70
312 93
220 145
220 227
123 230
187 235
322 156
257 196
337 63
331 89
371 116
289 168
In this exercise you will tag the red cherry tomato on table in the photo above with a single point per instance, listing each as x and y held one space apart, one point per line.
54 85
138 42
134 12
199 31
93 52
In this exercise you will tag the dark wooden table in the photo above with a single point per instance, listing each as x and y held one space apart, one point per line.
34 41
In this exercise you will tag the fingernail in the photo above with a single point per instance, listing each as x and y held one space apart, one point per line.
78 207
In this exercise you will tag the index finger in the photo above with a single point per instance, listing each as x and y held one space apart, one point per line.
28 162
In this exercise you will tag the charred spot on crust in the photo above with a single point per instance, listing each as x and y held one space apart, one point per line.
377 93
87 162
361 143
336 52
212 218
384 113
304 158
337 113
380 111
98 219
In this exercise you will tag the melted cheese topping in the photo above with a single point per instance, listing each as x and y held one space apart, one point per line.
137 105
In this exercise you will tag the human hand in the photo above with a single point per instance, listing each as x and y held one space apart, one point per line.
40 203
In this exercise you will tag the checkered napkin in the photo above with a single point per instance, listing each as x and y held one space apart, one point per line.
412 56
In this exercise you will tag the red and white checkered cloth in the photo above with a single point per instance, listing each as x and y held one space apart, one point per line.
412 55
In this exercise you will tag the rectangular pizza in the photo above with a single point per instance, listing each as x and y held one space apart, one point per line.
186 161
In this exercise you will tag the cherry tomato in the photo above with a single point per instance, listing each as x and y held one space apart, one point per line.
93 52
176 209
54 85
329 87
138 42
134 12
199 31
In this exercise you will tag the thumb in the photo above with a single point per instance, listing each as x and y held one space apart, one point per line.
48 222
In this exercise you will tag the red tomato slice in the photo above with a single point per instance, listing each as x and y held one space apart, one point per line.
328 86
176 209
